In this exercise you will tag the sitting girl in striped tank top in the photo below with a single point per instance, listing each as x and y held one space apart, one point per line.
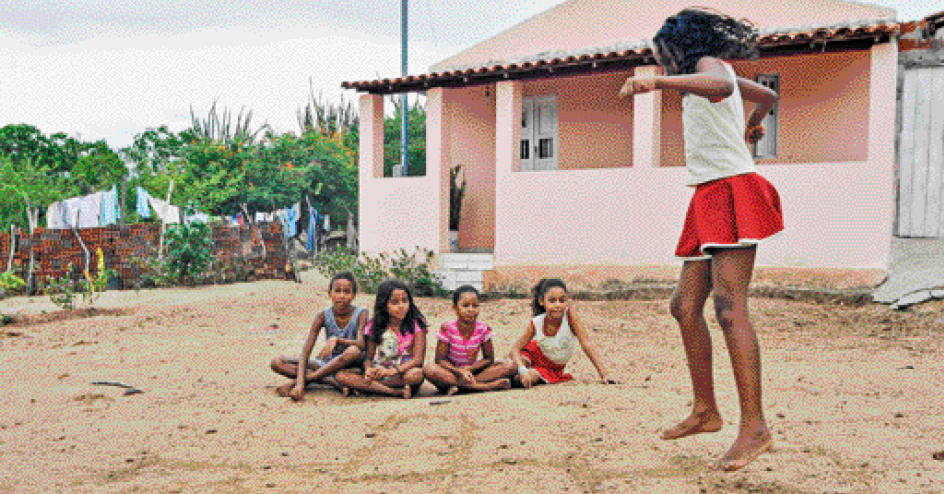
456 366
549 342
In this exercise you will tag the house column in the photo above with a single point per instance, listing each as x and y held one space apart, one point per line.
370 163
507 152
371 132
647 123
436 162
507 126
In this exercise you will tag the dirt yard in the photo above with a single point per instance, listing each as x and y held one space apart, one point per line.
854 397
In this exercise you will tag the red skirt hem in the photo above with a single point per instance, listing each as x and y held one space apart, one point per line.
550 371
731 212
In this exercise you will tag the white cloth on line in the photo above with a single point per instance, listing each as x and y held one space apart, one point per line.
165 212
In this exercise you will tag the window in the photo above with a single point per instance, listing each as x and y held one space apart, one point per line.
767 146
539 139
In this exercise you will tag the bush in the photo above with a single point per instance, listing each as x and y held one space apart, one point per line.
189 250
10 283
413 268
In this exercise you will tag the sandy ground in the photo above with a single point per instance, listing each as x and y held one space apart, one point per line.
854 398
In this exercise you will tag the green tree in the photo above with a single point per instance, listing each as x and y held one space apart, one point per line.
416 135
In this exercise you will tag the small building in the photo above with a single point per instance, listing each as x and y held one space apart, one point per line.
564 177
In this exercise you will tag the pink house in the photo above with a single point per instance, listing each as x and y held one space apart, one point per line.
564 178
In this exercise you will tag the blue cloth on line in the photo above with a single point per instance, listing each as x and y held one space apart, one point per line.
109 207
144 209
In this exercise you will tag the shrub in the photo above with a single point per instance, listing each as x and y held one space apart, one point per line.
413 268
10 283
189 250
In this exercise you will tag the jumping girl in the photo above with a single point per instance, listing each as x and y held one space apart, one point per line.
548 344
456 366
396 345
344 341
732 209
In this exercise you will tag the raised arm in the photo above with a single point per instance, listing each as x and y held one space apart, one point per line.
711 81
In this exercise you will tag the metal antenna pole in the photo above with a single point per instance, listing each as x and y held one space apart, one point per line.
403 98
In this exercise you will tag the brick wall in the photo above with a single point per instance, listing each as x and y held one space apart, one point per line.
125 249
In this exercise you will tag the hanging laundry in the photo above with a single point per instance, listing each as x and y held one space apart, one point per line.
56 216
84 212
144 210
109 212
197 218
312 229
327 221
239 220
165 212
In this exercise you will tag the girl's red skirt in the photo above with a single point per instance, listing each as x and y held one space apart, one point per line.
735 211
550 371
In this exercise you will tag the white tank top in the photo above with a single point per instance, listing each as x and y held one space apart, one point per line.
714 137
559 347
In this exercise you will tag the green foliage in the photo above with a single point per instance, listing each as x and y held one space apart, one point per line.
416 136
411 267
10 283
28 183
100 169
189 250
326 118
218 126
61 291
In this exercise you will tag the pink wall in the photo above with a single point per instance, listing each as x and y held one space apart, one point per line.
824 108
397 212
470 123
838 214
595 127
578 24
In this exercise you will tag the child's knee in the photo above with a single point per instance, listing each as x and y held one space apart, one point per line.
413 377
725 310
430 370
352 353
277 363
683 308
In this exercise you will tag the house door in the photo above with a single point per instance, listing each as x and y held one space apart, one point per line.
539 139
921 154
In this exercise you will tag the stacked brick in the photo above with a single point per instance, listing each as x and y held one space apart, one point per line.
127 249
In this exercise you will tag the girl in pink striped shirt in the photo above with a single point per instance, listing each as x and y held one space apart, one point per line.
457 366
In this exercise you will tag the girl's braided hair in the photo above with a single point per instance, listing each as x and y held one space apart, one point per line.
694 33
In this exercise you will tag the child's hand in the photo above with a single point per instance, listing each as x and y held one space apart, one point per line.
372 374
754 133
297 393
637 85
466 377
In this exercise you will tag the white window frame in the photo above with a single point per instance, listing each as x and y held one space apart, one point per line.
539 124
766 147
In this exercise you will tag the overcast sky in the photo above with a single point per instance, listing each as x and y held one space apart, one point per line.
98 69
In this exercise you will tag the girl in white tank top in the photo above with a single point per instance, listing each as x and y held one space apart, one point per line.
732 205
549 342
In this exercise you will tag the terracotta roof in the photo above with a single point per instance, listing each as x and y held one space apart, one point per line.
776 41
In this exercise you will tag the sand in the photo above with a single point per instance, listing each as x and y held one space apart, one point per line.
853 396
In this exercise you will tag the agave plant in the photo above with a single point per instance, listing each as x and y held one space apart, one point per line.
456 193
219 127
326 118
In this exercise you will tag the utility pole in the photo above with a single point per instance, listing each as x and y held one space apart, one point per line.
404 97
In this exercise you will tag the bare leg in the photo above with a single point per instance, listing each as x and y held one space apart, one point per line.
439 376
687 307
529 379
287 367
495 372
393 386
732 270
323 374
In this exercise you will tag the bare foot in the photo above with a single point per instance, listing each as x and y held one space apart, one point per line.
345 392
503 383
696 423
452 390
284 389
746 448
407 392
